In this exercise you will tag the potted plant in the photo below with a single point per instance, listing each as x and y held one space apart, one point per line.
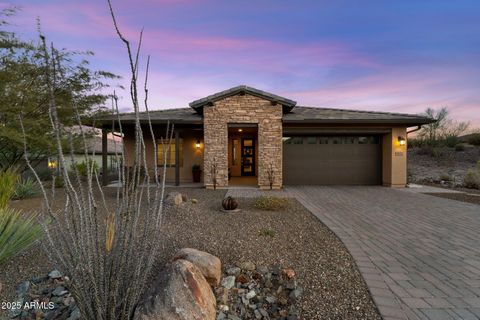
196 172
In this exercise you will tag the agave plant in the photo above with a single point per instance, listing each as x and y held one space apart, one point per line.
17 232
26 189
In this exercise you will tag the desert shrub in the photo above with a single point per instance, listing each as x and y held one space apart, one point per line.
474 139
45 174
446 177
83 167
431 151
460 147
8 180
450 141
17 232
26 189
271 203
59 182
472 179
267 233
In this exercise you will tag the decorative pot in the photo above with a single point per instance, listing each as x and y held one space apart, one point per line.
229 203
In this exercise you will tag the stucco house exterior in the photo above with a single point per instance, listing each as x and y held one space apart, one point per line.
259 138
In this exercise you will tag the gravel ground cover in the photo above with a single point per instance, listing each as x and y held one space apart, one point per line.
290 238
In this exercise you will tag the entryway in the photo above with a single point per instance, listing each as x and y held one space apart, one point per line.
242 155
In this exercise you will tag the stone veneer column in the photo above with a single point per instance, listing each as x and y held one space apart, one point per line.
246 109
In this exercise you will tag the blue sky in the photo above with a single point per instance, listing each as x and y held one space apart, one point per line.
400 56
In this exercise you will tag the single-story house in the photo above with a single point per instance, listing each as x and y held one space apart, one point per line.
259 138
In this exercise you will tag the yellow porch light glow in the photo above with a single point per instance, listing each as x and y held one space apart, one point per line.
401 140
197 144
240 130
52 164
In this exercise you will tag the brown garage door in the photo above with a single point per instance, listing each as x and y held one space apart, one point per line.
332 160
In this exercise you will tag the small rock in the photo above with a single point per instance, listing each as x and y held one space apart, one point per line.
288 273
55 274
75 315
250 294
221 316
23 288
242 278
184 197
194 201
233 317
234 271
59 291
228 282
247 265
295 294
271 299
223 308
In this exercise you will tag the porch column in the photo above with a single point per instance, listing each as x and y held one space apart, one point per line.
104 157
177 157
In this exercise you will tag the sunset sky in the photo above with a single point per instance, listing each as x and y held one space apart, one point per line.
399 56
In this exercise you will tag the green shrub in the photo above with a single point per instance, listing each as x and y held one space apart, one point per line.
59 183
474 139
17 232
84 166
45 174
26 189
271 203
446 177
472 179
450 141
460 147
267 233
8 180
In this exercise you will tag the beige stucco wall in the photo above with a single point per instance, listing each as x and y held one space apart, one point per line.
191 155
394 164
243 109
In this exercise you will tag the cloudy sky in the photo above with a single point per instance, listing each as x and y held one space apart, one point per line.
400 56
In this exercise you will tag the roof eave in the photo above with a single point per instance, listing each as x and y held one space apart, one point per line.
361 121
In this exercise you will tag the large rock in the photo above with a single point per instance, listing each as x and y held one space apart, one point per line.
209 265
179 293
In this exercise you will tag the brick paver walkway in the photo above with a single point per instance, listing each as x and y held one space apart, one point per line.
419 254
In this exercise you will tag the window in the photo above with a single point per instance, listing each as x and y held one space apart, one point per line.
311 140
323 140
349 140
235 147
297 140
337 140
362 140
170 160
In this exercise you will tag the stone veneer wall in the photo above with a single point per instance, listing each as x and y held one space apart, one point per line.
243 109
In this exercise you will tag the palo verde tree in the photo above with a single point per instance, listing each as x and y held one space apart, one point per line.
23 89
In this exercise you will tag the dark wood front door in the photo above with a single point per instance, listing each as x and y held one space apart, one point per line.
248 157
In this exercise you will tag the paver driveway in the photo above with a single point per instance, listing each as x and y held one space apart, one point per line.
419 254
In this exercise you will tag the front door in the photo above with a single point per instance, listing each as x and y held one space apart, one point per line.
248 157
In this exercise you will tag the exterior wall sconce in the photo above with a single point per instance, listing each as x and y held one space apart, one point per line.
197 144
401 140
240 130
52 164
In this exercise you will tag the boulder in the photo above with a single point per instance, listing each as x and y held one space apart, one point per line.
209 265
174 198
179 293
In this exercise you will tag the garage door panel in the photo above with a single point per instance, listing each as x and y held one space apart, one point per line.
341 160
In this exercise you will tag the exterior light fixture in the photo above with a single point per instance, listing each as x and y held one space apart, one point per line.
401 140
197 144
52 164
240 130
